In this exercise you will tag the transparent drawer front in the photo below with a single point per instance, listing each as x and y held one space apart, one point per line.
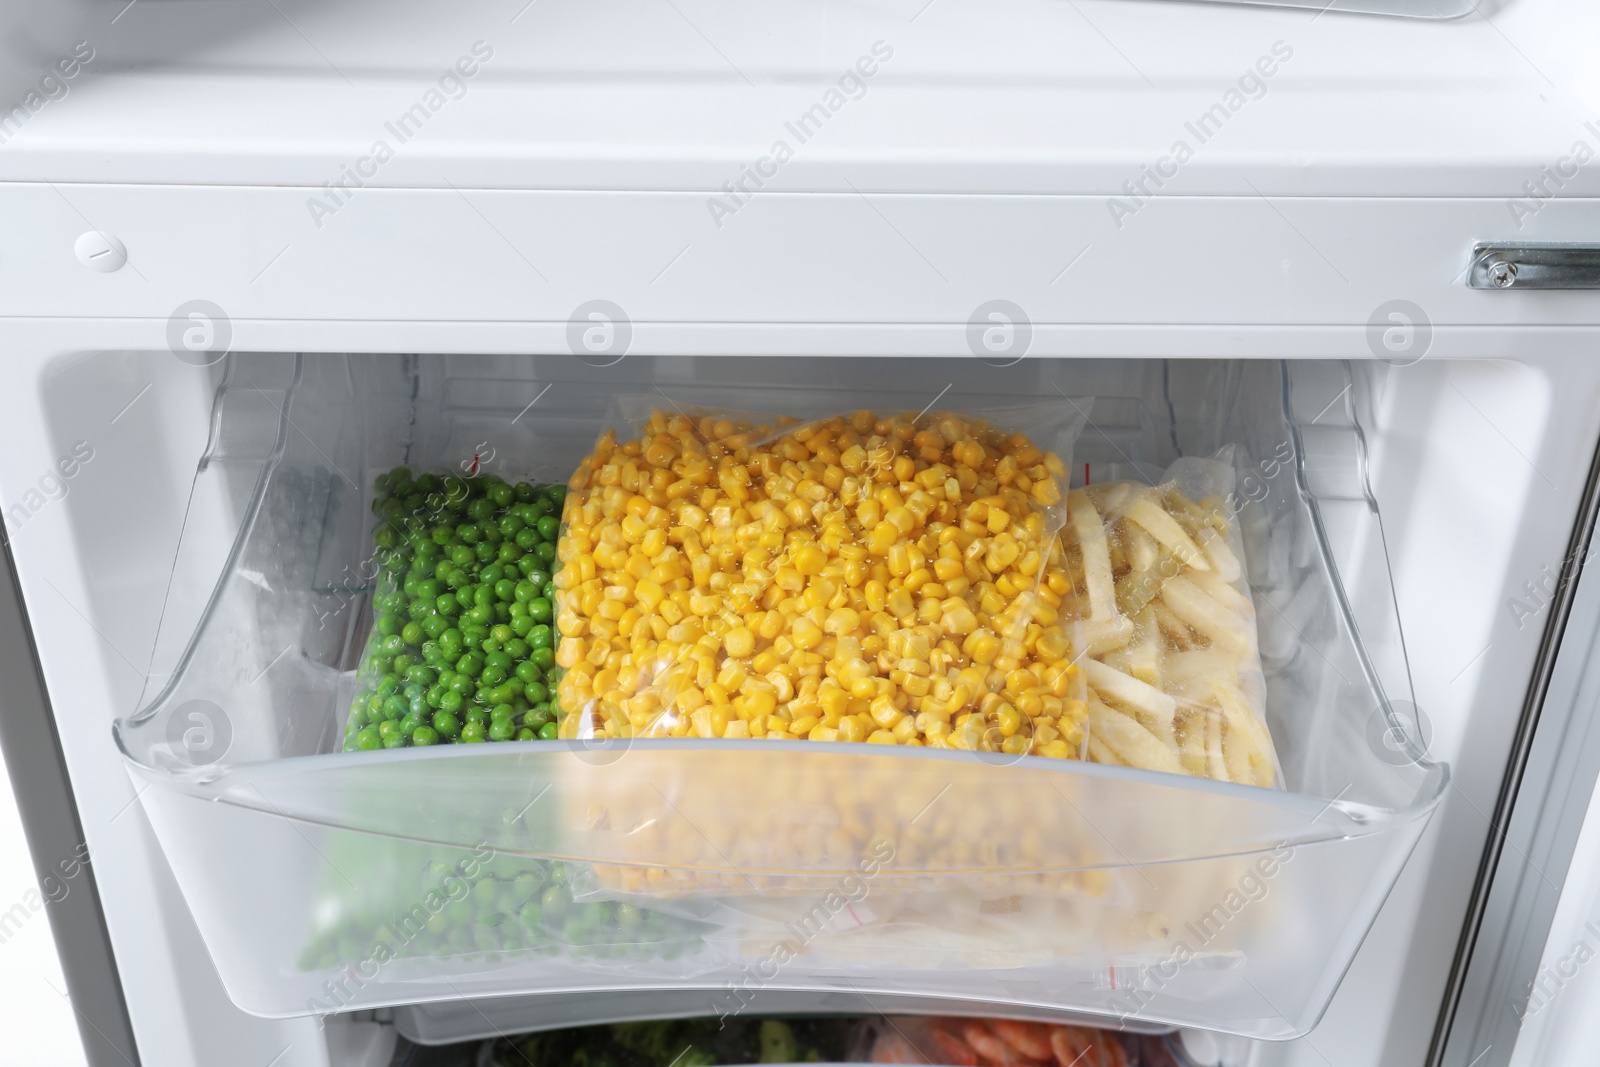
328 881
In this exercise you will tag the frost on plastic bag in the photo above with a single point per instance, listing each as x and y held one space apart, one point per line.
1168 627
971 1042
854 577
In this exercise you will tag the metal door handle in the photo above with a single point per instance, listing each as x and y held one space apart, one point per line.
1535 266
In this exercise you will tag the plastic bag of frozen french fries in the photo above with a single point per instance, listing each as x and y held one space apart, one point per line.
869 576
1166 626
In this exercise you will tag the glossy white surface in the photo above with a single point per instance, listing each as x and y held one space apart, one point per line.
980 95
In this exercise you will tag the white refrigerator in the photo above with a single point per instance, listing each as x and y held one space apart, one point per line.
258 253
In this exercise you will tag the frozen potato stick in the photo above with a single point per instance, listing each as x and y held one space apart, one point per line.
1201 611
1131 742
1099 636
1237 752
1096 555
1137 589
1220 553
1164 528
1242 718
1223 593
1142 551
1216 766
1128 691
1144 652
1202 664
1099 752
1173 628
1191 732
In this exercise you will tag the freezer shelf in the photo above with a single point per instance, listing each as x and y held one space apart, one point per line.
324 882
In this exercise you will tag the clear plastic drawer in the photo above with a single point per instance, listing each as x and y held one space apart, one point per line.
326 881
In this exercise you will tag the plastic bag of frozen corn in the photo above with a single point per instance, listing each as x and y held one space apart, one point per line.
1166 626
873 576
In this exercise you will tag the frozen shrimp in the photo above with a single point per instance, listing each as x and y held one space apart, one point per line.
991 1049
1030 1039
952 1050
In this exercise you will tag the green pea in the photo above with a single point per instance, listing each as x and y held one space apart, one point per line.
541 636
434 625
535 692
528 672
424 735
446 723
548 731
412 634
461 555
539 579
549 527
554 902
501 731
386 625
449 703
543 505
525 734
508 552
467 533
501 633
543 657
473 733
526 538
546 553
516 648
447 605
539 609
368 738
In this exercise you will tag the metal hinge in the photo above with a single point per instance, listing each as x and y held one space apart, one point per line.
1535 266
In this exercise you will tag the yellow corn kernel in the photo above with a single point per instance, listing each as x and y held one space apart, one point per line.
851 729
739 642
885 713
843 621
809 559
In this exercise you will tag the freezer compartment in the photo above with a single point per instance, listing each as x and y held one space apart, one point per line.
327 881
